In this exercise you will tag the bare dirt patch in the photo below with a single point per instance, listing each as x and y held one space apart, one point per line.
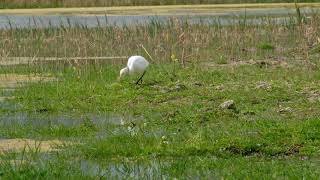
263 85
10 61
259 63
14 80
312 94
16 145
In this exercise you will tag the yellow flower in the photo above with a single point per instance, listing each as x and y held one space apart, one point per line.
173 58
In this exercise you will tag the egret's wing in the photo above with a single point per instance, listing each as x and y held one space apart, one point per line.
130 62
137 64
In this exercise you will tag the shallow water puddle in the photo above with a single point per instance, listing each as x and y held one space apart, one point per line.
104 125
9 82
5 105
3 98
123 170
67 120
18 145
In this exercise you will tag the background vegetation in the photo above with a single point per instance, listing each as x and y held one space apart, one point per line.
84 3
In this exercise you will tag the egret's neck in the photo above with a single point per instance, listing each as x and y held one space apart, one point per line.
124 71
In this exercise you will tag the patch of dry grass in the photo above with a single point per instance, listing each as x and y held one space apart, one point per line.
14 80
19 145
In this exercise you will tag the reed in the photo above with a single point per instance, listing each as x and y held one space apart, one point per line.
188 42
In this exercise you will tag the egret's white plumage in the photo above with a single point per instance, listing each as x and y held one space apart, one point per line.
135 65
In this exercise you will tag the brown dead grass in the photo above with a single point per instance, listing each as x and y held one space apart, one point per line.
260 63
14 80
188 42
18 145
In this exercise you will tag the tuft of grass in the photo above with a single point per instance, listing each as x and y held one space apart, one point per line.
266 46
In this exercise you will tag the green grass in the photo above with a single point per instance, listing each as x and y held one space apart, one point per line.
173 125
198 135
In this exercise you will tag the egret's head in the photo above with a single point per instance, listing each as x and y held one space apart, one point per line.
124 72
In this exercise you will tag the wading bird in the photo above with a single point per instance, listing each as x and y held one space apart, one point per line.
135 65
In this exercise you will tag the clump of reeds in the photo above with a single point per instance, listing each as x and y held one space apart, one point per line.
188 42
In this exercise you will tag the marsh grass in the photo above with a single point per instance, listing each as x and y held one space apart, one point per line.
188 42
182 131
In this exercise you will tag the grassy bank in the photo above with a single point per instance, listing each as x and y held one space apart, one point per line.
173 125
98 3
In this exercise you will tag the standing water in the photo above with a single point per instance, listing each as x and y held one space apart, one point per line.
227 17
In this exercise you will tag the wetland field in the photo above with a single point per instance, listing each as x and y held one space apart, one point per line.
217 102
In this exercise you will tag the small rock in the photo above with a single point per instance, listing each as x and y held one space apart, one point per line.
156 86
304 158
263 85
198 84
164 140
220 87
122 122
180 87
253 133
285 110
164 91
228 105
161 89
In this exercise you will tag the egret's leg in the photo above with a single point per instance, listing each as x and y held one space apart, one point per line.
140 79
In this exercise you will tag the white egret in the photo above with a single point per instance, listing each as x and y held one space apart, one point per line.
135 65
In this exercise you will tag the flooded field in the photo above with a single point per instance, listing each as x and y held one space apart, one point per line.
215 101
